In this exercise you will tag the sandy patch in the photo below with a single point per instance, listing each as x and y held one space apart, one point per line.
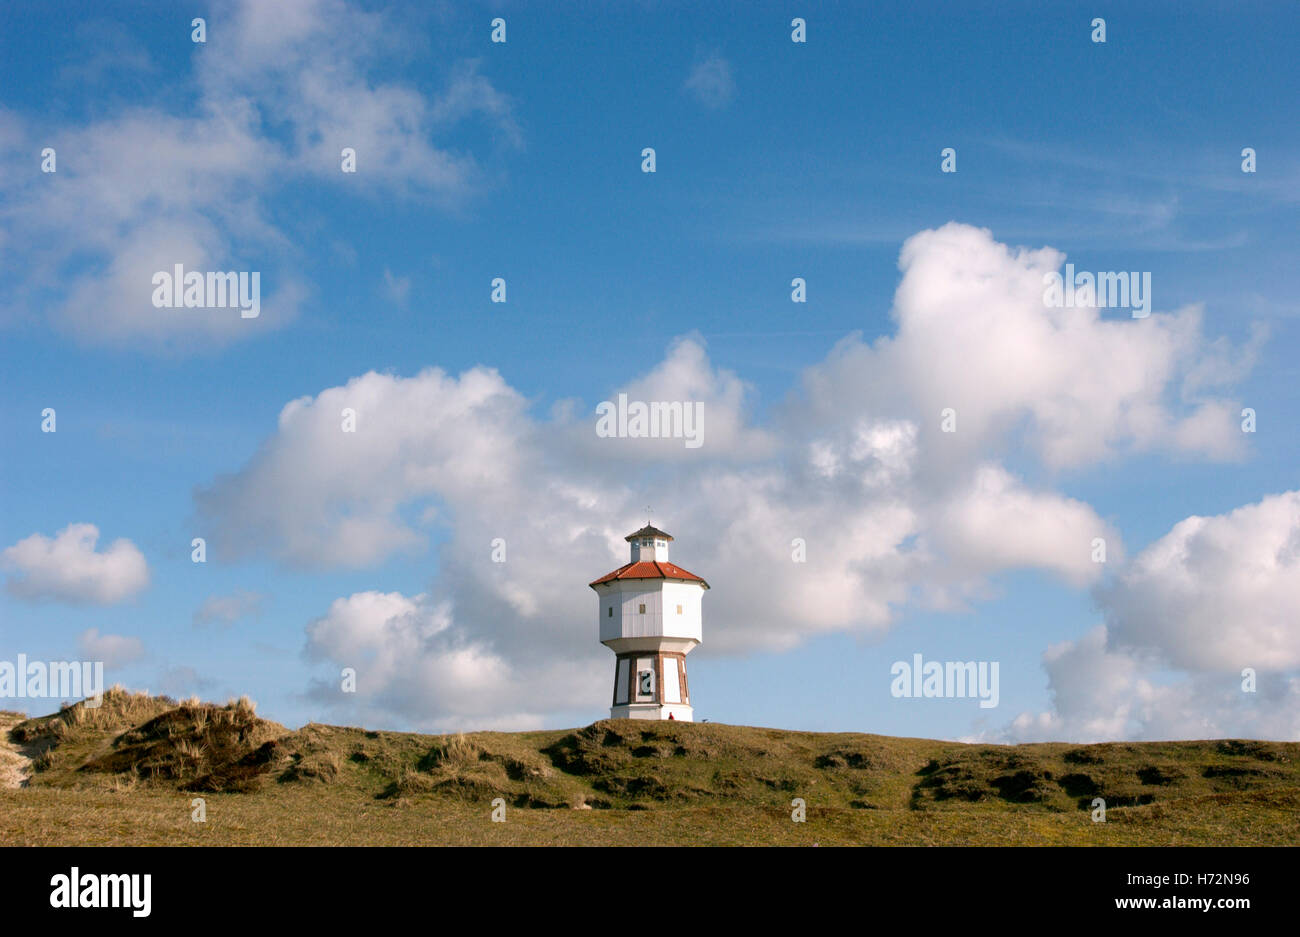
15 765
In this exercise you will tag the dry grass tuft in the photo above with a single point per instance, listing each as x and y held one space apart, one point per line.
458 753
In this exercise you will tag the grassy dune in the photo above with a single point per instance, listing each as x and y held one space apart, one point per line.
130 771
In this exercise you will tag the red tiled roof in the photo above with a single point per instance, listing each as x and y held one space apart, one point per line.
650 570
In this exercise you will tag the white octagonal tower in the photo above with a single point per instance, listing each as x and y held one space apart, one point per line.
650 617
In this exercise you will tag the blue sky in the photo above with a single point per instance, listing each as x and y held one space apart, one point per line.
775 159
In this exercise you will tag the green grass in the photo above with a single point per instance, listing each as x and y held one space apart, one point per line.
128 774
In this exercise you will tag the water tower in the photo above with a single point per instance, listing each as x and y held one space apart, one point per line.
650 617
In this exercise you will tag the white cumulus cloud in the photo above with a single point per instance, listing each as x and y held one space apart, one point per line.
1193 619
1102 693
67 567
409 655
1216 594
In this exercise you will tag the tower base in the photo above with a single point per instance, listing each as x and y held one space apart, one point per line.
679 711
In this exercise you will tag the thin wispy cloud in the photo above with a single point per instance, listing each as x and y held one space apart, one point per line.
150 189
711 83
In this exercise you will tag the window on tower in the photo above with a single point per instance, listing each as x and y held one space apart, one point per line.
679 610
611 612
642 608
